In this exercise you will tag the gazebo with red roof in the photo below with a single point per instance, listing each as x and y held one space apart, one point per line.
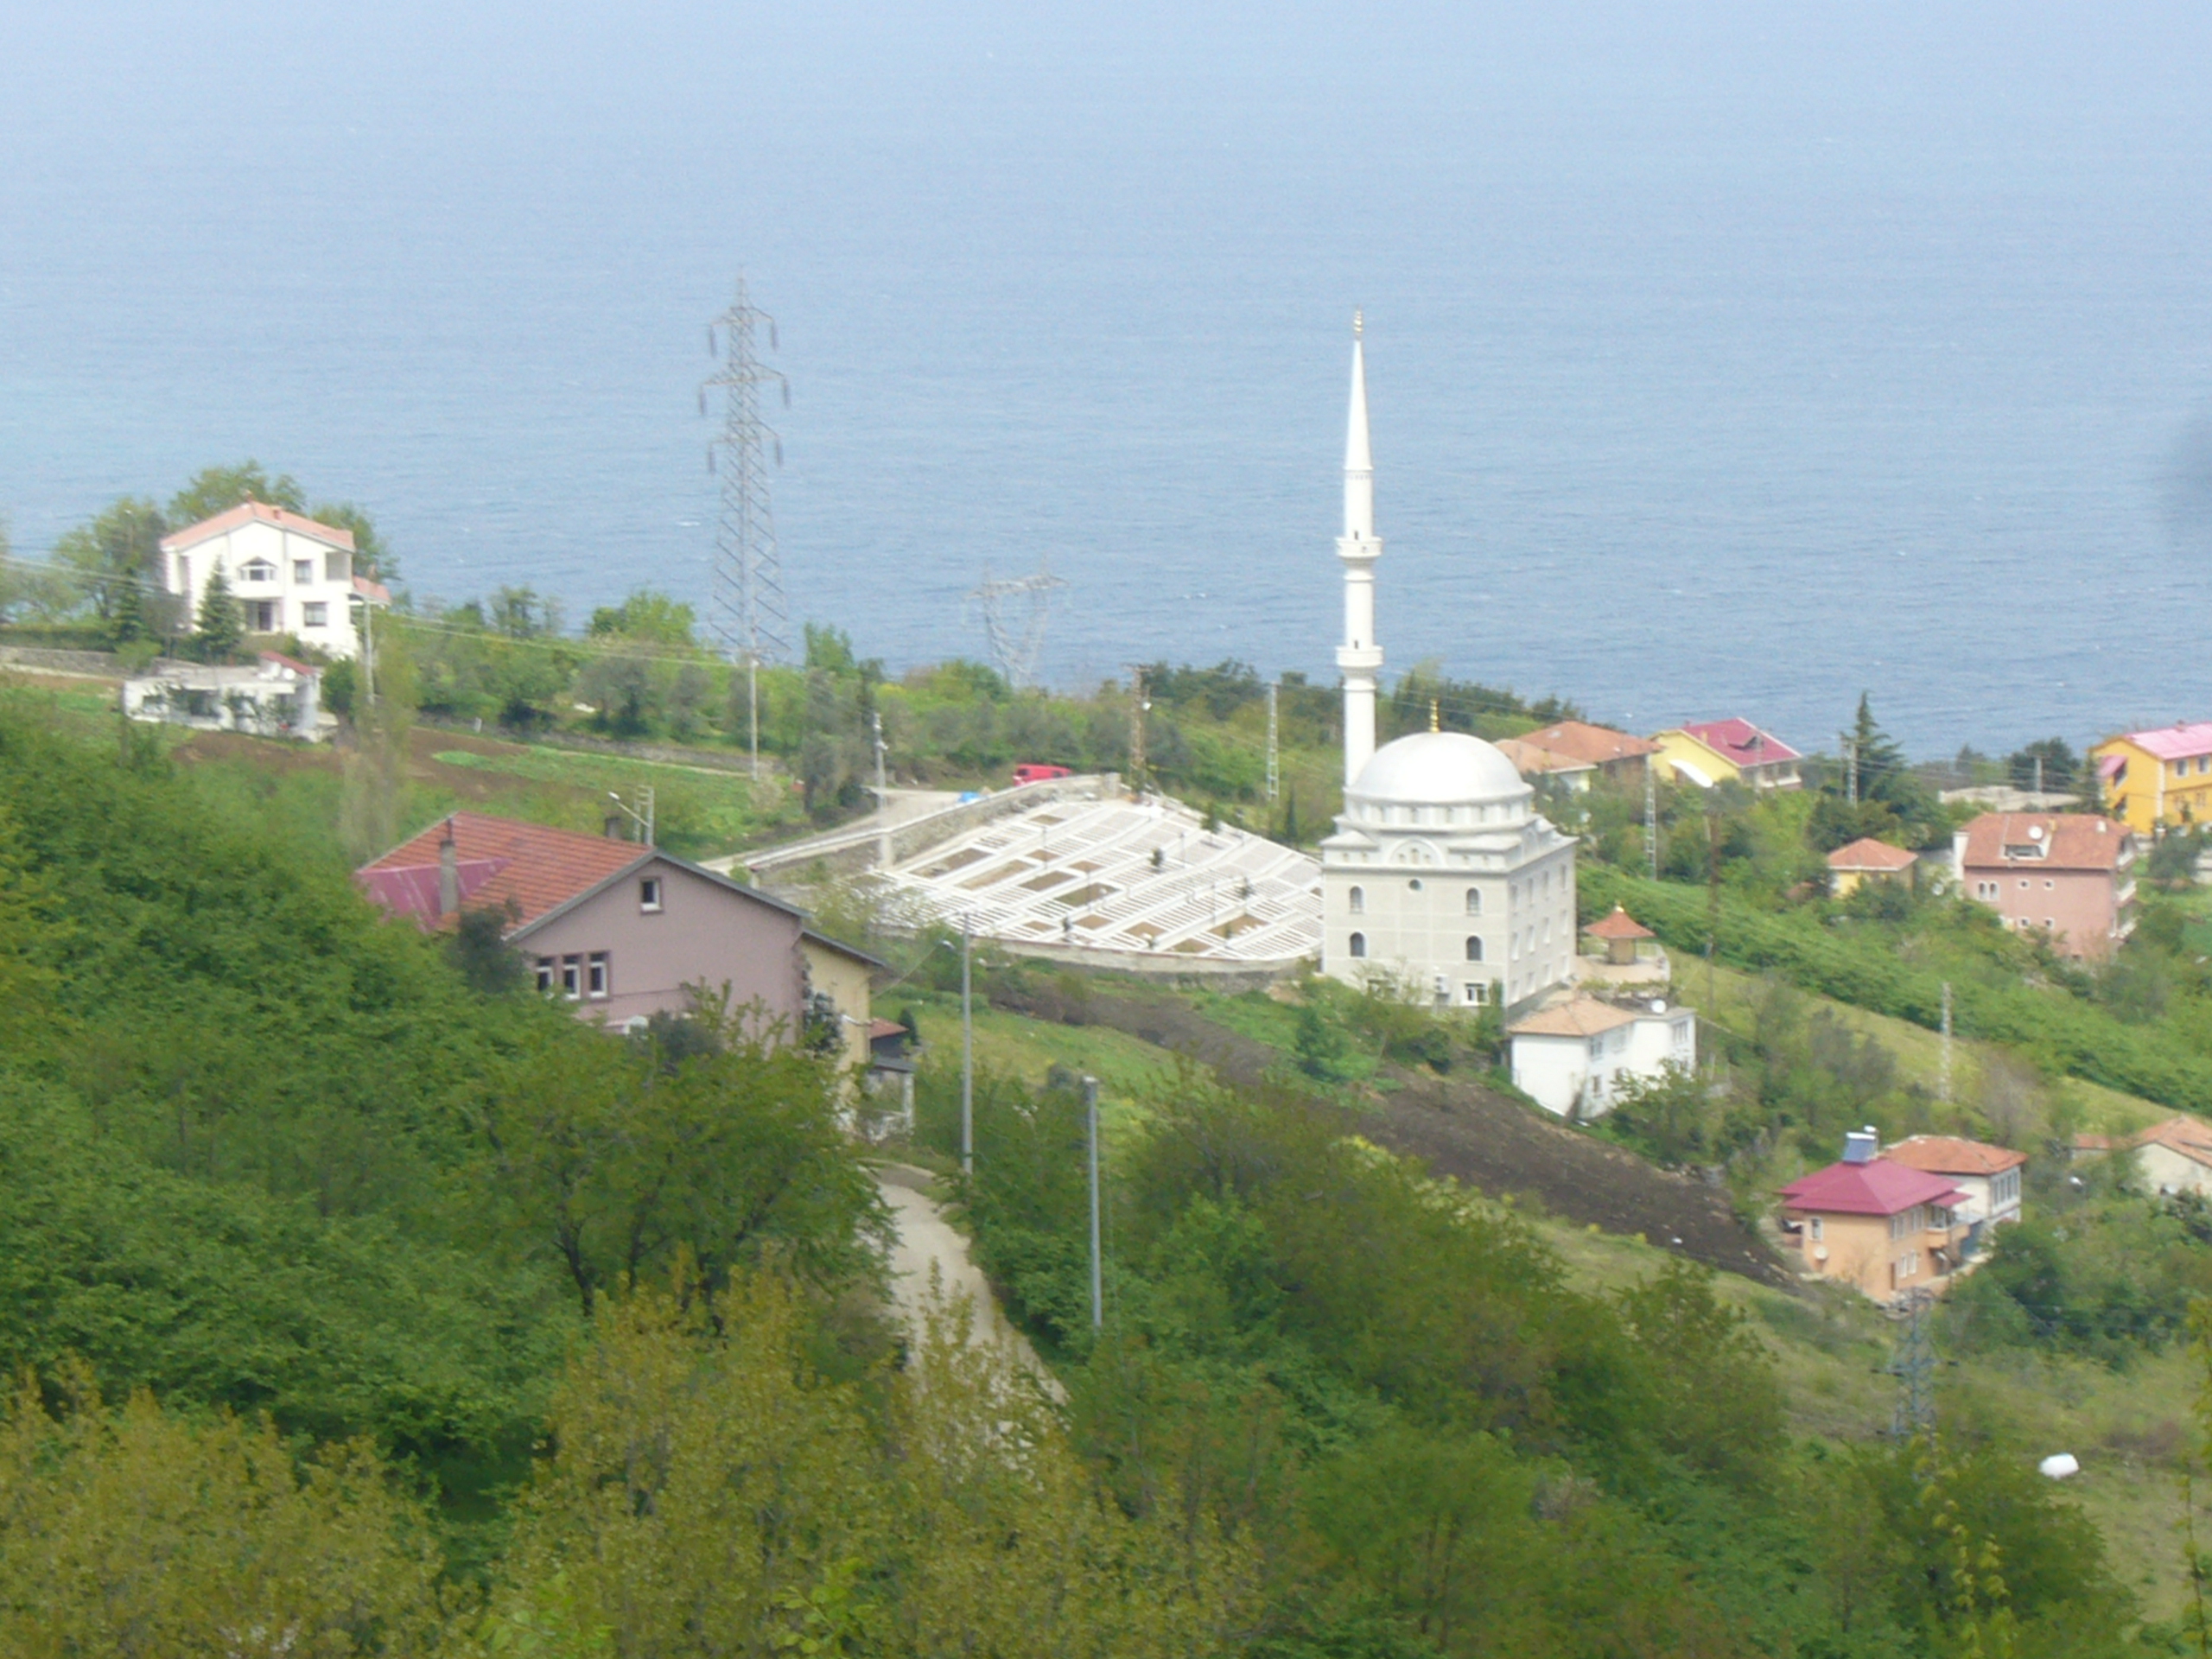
1620 935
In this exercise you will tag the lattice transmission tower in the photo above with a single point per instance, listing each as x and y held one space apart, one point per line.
744 609
1015 611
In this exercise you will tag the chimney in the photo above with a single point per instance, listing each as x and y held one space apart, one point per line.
448 875
612 825
1861 1146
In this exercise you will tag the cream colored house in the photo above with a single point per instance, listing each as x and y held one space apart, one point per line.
1883 1228
843 977
288 574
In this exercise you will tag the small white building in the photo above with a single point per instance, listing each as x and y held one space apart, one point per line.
277 697
2175 1156
1574 1058
288 574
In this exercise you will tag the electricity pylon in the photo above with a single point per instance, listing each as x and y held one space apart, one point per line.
746 604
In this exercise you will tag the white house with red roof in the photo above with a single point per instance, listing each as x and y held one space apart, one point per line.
1990 1176
275 697
621 932
1882 1226
289 574
1575 1058
1723 750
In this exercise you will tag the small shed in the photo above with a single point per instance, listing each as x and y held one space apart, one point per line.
1620 937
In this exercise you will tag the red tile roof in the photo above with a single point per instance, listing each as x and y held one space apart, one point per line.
1868 854
1581 1016
2186 1136
305 671
248 513
1950 1154
1742 742
1528 755
1880 1188
502 860
2077 840
1580 740
1619 925
2183 740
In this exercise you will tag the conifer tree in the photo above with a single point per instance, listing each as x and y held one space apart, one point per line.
221 626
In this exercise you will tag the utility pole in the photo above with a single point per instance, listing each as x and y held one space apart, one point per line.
1137 707
640 816
1851 769
1944 1079
1274 754
1097 1274
1651 817
882 785
746 603
1712 896
967 1061
368 654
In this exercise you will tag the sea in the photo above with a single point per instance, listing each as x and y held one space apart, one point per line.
1724 358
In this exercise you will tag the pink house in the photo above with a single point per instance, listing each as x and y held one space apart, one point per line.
2070 873
617 930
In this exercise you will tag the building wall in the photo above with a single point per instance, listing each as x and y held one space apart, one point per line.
1860 1251
1416 921
702 934
846 982
2153 793
186 571
1564 1074
1676 747
2164 1170
2080 907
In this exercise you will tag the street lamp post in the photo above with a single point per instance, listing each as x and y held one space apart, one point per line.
967 1060
1098 1278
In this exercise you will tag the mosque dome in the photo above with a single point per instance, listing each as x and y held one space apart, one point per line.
1438 769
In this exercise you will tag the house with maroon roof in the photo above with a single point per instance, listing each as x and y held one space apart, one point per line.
1723 750
288 574
2070 873
1883 1228
617 930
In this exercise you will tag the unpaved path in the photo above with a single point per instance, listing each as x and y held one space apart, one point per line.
926 1243
1482 1138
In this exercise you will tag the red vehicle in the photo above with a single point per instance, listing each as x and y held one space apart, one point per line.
1035 772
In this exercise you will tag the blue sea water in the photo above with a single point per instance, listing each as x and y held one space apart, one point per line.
1725 358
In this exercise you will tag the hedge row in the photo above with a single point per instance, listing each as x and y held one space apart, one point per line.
2060 1032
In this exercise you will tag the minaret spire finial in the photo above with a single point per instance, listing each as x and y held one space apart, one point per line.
1359 658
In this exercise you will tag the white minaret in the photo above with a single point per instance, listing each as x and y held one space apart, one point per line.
1360 657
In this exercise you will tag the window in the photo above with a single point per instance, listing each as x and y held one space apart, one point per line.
1475 995
2023 884
263 615
2048 884
1474 948
649 894
303 571
183 574
1359 944
1356 899
257 570
572 977
1414 886
1474 901
1816 1229
545 966
596 974
315 614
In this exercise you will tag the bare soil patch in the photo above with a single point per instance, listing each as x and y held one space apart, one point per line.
1495 1145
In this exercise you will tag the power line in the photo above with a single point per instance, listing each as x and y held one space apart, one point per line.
1015 645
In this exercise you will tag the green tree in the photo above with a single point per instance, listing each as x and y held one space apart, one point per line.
127 1531
2049 764
118 550
221 627
215 489
648 617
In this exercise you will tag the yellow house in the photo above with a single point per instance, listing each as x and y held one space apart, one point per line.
843 975
1725 751
2157 779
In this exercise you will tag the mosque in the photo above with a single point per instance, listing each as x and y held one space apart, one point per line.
1440 876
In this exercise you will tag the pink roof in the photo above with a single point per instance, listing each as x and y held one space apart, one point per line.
2183 740
2109 767
375 592
1880 1188
248 513
1742 742
305 671
1952 1155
